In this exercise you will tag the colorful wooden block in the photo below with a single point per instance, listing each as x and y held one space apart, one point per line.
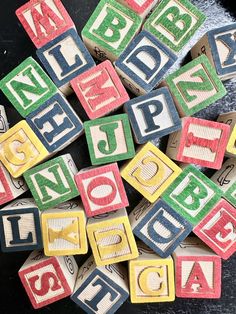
100 90
48 279
219 46
192 195
27 87
217 229
20 149
44 20
101 189
151 277
64 58
144 63
20 228
159 226
195 86
174 22
4 125
55 123
153 115
100 289
200 142
52 182
230 119
111 238
197 271
150 172
142 8
109 139
110 29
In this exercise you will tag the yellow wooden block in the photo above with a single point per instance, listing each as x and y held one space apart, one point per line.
231 146
150 172
111 238
20 149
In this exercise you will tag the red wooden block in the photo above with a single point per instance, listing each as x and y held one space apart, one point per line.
101 189
100 90
218 229
44 20
140 7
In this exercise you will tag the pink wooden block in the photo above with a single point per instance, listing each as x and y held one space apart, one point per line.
140 7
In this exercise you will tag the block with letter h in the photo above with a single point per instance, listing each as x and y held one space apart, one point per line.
4 125
48 279
230 119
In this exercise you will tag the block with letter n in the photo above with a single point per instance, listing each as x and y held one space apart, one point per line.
230 119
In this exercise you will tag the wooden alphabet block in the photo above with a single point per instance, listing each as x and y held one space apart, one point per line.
27 87
100 90
200 142
110 29
48 279
100 289
4 125
219 46
195 86
142 8
52 182
20 228
153 115
101 189
20 149
44 20
55 123
151 277
217 229
64 58
197 271
109 139
159 226
230 119
150 172
192 195
144 63
111 238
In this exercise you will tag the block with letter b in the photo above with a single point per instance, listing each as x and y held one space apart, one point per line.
230 119
4 125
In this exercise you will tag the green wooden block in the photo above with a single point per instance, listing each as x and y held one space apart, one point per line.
27 87
52 182
192 195
174 22
110 29
109 139
195 86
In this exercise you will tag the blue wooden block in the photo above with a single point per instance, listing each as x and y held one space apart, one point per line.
55 123
153 115
144 63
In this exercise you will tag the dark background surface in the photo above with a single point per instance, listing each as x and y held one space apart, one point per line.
15 46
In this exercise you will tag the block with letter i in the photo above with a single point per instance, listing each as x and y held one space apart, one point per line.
111 238
110 29
4 125
52 182
230 119
48 279
100 289
197 270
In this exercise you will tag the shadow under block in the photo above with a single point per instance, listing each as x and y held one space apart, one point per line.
159 226
101 189
52 182
100 90
230 119
150 172
109 139
20 228
217 229
219 46
4 125
195 86
192 195
197 270
64 58
20 149
110 29
201 142
111 238
48 279
143 64
27 87
153 115
55 123
100 289
44 20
